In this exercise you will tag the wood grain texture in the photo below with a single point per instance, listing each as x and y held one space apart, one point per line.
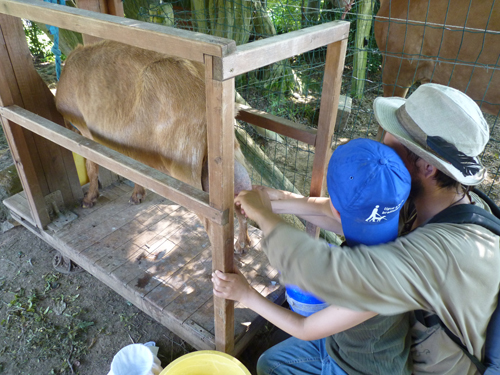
263 52
176 42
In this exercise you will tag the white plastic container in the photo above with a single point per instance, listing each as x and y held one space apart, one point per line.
136 359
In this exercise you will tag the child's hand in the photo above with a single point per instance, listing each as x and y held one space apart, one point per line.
231 286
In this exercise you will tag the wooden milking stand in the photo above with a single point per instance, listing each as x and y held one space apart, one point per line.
121 245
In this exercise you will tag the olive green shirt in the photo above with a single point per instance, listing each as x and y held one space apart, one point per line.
449 269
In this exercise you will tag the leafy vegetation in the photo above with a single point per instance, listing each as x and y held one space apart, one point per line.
46 324
39 43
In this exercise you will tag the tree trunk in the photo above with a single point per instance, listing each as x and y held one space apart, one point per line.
228 19
311 13
263 25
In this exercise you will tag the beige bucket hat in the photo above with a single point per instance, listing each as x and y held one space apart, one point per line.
440 124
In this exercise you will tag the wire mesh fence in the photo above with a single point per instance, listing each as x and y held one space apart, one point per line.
422 41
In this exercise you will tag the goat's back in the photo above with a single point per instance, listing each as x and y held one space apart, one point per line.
144 104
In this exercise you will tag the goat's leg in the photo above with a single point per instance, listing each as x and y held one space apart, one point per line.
241 182
397 77
93 193
243 241
137 195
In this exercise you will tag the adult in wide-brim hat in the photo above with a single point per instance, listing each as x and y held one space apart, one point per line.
441 125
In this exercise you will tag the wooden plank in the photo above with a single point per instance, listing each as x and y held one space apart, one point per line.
19 204
53 164
161 296
277 124
332 81
144 175
163 317
194 291
27 174
15 135
14 41
99 223
155 37
177 270
263 52
220 134
139 266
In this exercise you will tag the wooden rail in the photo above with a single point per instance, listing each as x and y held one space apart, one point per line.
169 187
263 52
276 124
182 43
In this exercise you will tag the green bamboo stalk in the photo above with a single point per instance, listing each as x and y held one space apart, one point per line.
363 28
200 17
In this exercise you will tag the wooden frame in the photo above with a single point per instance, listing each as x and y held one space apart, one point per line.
28 116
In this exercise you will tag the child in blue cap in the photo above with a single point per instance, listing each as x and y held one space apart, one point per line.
368 184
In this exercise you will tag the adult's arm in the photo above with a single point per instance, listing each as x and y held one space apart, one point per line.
387 279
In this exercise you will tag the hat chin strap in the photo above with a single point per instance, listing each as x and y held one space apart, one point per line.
439 147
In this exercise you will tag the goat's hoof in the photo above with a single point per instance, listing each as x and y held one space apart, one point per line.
240 247
136 199
89 202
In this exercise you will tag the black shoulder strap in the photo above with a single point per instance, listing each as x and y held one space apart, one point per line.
464 214
469 214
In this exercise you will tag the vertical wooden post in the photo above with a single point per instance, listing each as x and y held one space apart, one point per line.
43 166
220 133
332 81
114 7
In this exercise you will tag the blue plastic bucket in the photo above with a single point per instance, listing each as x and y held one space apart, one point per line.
302 302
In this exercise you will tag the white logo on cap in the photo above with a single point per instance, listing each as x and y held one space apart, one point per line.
375 217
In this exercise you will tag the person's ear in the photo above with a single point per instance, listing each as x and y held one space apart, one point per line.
428 170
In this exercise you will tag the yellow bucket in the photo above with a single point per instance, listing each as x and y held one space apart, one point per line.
81 169
206 362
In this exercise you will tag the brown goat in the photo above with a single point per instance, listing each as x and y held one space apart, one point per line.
146 105
455 43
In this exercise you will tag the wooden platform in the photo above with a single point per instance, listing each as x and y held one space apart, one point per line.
158 256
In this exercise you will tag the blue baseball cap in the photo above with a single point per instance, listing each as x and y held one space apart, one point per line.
368 184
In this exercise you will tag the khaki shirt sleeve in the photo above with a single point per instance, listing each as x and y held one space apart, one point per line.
393 278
